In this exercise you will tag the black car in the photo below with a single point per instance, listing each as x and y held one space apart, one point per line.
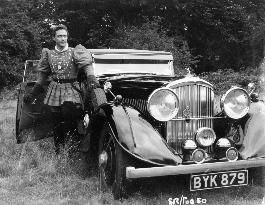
155 123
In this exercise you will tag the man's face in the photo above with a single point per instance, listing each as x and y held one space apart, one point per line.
61 38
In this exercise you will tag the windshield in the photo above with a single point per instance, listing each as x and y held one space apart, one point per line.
141 66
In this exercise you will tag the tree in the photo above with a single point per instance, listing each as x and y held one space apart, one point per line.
149 36
220 33
21 36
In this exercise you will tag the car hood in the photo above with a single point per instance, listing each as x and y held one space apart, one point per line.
140 85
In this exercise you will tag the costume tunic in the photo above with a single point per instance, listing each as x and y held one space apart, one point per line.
63 66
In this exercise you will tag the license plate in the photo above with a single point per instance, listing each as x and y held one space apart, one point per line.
218 180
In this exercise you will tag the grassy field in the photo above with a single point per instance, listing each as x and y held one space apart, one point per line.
32 174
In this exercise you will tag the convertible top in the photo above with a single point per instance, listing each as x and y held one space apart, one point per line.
128 51
130 54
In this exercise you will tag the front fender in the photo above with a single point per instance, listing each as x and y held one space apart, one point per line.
138 137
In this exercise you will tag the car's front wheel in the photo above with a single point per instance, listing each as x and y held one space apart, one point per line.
112 165
257 176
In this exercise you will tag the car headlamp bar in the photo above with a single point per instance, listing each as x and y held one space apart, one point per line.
235 103
163 104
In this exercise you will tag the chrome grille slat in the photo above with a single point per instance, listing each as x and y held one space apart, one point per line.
139 104
199 98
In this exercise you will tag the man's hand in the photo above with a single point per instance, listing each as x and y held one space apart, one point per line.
28 98
92 82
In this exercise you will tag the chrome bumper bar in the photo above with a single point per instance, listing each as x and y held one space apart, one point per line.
133 173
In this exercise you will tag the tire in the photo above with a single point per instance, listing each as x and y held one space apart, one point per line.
112 173
257 176
122 186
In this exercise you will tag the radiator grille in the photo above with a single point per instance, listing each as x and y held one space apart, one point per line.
196 104
198 97
138 104
196 100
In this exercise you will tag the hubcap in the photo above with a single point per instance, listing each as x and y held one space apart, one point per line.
106 161
103 159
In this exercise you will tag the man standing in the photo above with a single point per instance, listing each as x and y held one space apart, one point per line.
64 65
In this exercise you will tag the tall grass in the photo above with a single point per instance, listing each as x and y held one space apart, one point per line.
31 173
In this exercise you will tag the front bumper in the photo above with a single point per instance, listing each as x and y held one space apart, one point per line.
132 172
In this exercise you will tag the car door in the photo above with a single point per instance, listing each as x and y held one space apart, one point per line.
34 120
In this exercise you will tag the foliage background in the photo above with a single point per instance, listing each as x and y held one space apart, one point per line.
214 38
221 40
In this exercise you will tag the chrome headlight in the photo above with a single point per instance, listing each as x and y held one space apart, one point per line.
163 104
235 103
205 136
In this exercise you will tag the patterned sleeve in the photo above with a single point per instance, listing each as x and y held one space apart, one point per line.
44 65
82 57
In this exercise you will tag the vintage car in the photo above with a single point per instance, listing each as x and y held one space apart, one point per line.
155 123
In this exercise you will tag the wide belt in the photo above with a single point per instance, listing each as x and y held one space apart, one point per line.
64 80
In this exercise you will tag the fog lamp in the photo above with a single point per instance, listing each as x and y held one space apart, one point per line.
188 147
221 147
223 142
205 136
198 156
231 154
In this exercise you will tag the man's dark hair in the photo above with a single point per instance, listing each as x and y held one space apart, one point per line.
59 27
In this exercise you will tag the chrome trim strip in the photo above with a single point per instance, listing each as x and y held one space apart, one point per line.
196 118
195 111
133 173
189 80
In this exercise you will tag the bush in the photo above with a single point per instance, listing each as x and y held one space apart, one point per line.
150 36
224 79
10 75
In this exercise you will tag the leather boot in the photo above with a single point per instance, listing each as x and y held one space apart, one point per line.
58 131
85 142
58 138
